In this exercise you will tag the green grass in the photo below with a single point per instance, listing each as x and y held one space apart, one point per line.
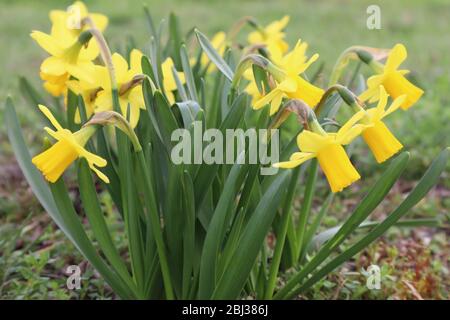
329 27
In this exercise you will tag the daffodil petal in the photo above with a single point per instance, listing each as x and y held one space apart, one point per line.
397 55
267 98
397 103
46 111
351 122
295 160
47 42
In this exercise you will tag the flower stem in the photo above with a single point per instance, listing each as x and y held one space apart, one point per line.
105 52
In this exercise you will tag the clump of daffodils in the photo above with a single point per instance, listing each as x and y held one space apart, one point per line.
199 229
72 65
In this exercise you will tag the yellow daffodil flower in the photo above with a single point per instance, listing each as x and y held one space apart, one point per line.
327 148
393 80
65 57
69 146
218 43
89 92
377 135
98 87
169 82
291 84
70 20
271 35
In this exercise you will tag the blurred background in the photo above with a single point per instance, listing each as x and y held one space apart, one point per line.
33 253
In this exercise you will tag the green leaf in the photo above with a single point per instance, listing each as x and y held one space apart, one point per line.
180 87
114 183
97 221
315 225
31 173
216 232
188 234
150 21
79 238
206 173
30 93
72 102
306 205
238 270
214 56
188 111
164 118
175 39
190 82
147 69
281 235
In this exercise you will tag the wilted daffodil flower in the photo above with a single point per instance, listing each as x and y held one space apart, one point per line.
169 82
272 34
377 135
71 20
392 79
329 151
69 146
289 82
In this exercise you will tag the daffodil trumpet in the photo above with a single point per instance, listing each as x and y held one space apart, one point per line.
315 142
69 147
392 79
376 134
